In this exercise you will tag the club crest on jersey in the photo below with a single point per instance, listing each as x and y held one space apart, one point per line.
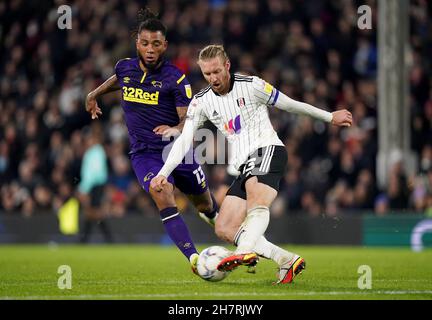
233 126
241 102
191 109
157 84
148 176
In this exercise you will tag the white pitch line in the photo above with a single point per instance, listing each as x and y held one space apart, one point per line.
218 294
104 282
165 282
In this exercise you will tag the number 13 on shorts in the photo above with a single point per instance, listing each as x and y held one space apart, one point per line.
249 166
199 174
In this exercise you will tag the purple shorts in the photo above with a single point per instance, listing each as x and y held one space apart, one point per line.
189 178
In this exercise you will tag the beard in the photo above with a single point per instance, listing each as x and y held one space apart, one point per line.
149 66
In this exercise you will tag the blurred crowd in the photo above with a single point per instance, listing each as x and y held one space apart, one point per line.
311 50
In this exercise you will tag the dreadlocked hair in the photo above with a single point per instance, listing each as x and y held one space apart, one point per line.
147 20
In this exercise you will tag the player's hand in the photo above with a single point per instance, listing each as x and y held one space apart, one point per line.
342 118
167 131
158 182
92 106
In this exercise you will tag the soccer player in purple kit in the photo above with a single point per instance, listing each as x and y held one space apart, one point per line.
155 97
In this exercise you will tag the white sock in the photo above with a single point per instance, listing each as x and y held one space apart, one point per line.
252 229
266 249
269 250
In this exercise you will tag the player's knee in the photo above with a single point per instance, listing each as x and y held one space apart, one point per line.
163 198
155 194
259 194
160 193
263 199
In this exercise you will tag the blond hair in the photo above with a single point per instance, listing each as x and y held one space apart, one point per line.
213 51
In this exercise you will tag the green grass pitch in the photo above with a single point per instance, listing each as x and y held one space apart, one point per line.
162 273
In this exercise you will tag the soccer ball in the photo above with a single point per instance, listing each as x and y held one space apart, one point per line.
208 261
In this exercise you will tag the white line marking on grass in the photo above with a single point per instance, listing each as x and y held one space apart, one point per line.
84 282
104 282
218 294
403 280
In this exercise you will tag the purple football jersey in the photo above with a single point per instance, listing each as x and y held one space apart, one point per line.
149 99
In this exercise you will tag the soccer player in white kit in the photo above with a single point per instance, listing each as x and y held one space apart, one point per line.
237 106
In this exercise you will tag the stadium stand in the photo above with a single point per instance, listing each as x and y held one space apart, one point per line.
311 50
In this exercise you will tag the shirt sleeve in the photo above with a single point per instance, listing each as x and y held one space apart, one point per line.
264 92
196 113
182 91
118 68
290 105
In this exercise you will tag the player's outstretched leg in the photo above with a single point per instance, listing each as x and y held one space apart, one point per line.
174 224
178 232
253 228
233 211
259 197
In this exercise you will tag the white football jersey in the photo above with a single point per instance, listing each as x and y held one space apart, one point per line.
241 114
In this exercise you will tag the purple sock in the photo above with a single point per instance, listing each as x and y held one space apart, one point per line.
177 230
